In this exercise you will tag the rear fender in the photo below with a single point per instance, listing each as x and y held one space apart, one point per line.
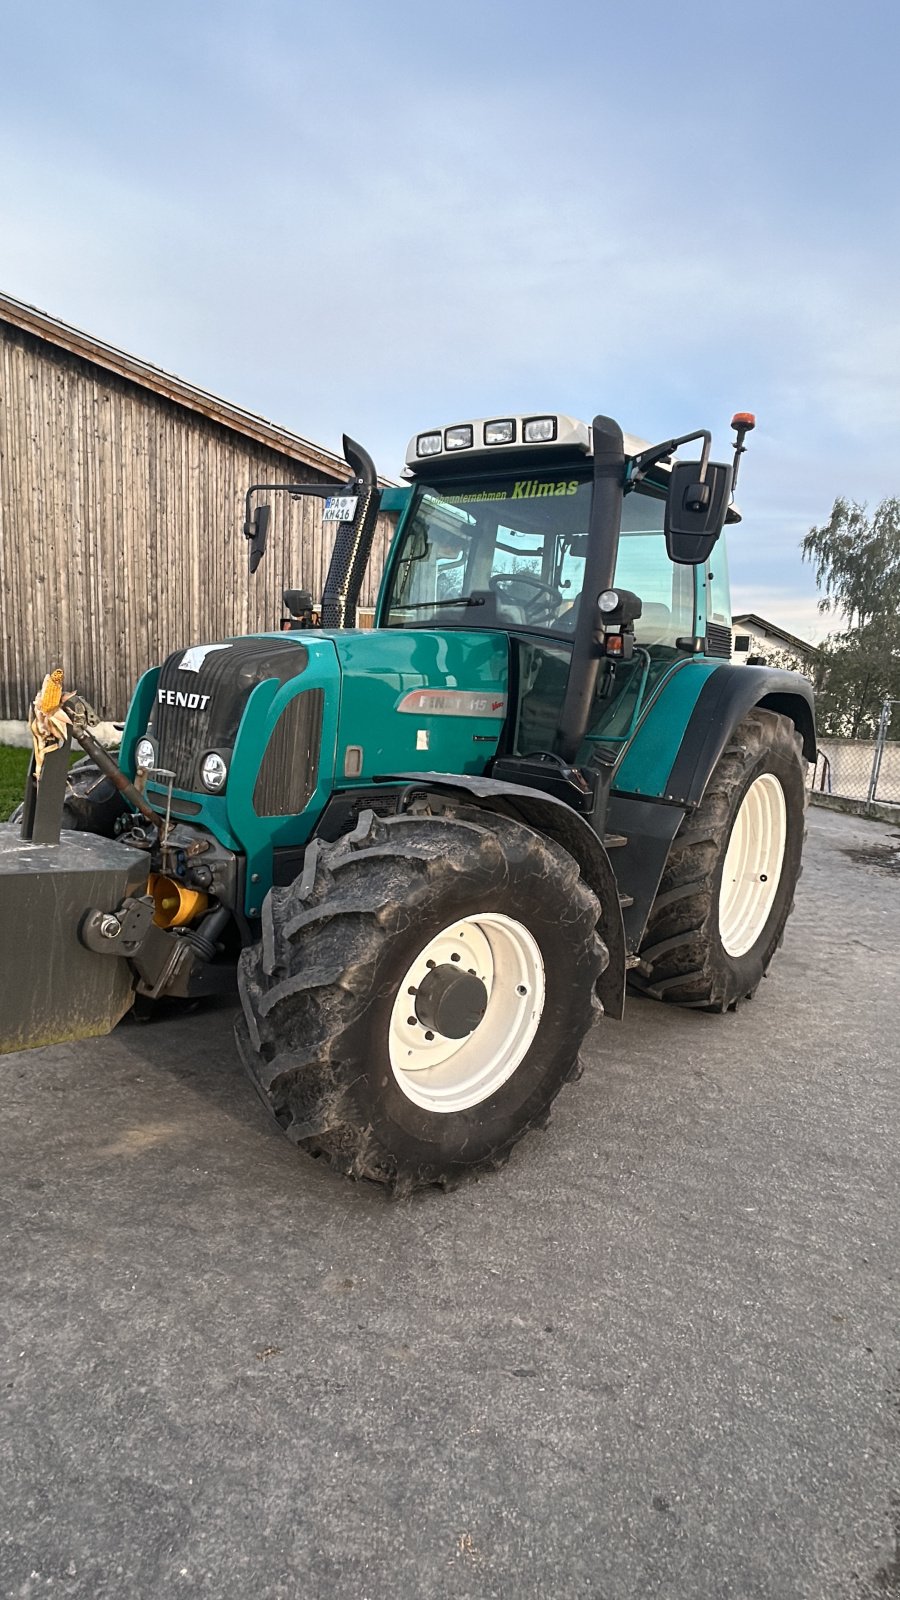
725 699
556 821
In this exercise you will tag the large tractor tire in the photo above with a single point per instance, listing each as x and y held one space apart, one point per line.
420 994
729 882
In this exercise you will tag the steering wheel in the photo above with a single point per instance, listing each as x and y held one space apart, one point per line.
539 601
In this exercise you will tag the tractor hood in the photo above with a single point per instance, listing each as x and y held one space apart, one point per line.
201 695
416 701
296 717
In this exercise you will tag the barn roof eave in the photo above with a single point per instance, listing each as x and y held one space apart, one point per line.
78 343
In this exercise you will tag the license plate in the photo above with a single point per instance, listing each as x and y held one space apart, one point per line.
340 508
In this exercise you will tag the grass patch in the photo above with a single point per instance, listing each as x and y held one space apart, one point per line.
13 767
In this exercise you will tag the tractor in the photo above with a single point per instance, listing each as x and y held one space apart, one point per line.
431 855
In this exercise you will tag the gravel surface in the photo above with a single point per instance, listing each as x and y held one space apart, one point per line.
656 1356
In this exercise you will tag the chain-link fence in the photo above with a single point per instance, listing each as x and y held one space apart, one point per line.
861 769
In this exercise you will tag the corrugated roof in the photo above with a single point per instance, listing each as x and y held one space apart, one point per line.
84 345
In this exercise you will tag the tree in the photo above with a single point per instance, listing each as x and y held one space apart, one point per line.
786 660
857 561
856 672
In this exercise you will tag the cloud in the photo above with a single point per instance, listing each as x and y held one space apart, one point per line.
376 222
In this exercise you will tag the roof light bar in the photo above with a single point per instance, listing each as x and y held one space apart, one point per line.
487 435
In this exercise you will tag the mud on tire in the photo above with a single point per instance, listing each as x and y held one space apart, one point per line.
318 990
683 957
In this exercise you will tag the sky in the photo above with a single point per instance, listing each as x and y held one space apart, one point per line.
383 217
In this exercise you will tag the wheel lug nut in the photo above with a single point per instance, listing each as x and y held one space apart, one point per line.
412 1021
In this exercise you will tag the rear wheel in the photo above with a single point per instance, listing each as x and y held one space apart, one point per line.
420 994
729 883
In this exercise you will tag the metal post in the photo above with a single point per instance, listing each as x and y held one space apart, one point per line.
883 725
43 807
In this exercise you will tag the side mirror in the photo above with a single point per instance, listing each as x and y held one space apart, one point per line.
695 510
256 530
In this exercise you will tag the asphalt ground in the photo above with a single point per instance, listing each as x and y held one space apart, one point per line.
656 1356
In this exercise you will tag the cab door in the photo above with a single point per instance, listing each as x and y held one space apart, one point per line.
668 600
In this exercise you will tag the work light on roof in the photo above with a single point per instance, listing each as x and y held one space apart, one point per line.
429 444
503 431
539 430
459 438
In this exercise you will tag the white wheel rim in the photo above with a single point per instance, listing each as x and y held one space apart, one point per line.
442 1074
753 863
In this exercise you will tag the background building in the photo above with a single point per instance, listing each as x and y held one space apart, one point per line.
121 514
753 636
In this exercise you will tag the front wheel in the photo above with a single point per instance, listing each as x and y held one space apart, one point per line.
420 994
729 883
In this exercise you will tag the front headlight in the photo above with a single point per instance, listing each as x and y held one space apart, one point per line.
145 754
213 772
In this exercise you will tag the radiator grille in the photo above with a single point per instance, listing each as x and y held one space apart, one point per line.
289 770
227 677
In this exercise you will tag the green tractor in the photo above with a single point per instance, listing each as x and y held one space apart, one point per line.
433 853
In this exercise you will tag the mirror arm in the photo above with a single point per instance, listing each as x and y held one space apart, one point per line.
658 452
321 491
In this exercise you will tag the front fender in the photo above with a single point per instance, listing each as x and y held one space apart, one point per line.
557 821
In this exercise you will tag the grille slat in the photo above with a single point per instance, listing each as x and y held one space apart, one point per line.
289 770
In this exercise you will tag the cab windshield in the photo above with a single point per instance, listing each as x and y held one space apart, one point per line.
512 555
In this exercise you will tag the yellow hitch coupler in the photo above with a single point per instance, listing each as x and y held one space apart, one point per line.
175 905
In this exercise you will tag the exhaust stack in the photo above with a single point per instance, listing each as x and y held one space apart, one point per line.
353 544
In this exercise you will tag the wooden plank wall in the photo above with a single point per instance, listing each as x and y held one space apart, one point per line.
121 517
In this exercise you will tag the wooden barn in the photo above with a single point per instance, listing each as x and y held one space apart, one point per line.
121 514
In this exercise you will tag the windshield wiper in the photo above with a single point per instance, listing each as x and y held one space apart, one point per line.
433 605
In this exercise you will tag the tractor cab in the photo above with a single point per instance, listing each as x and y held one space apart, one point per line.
516 524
